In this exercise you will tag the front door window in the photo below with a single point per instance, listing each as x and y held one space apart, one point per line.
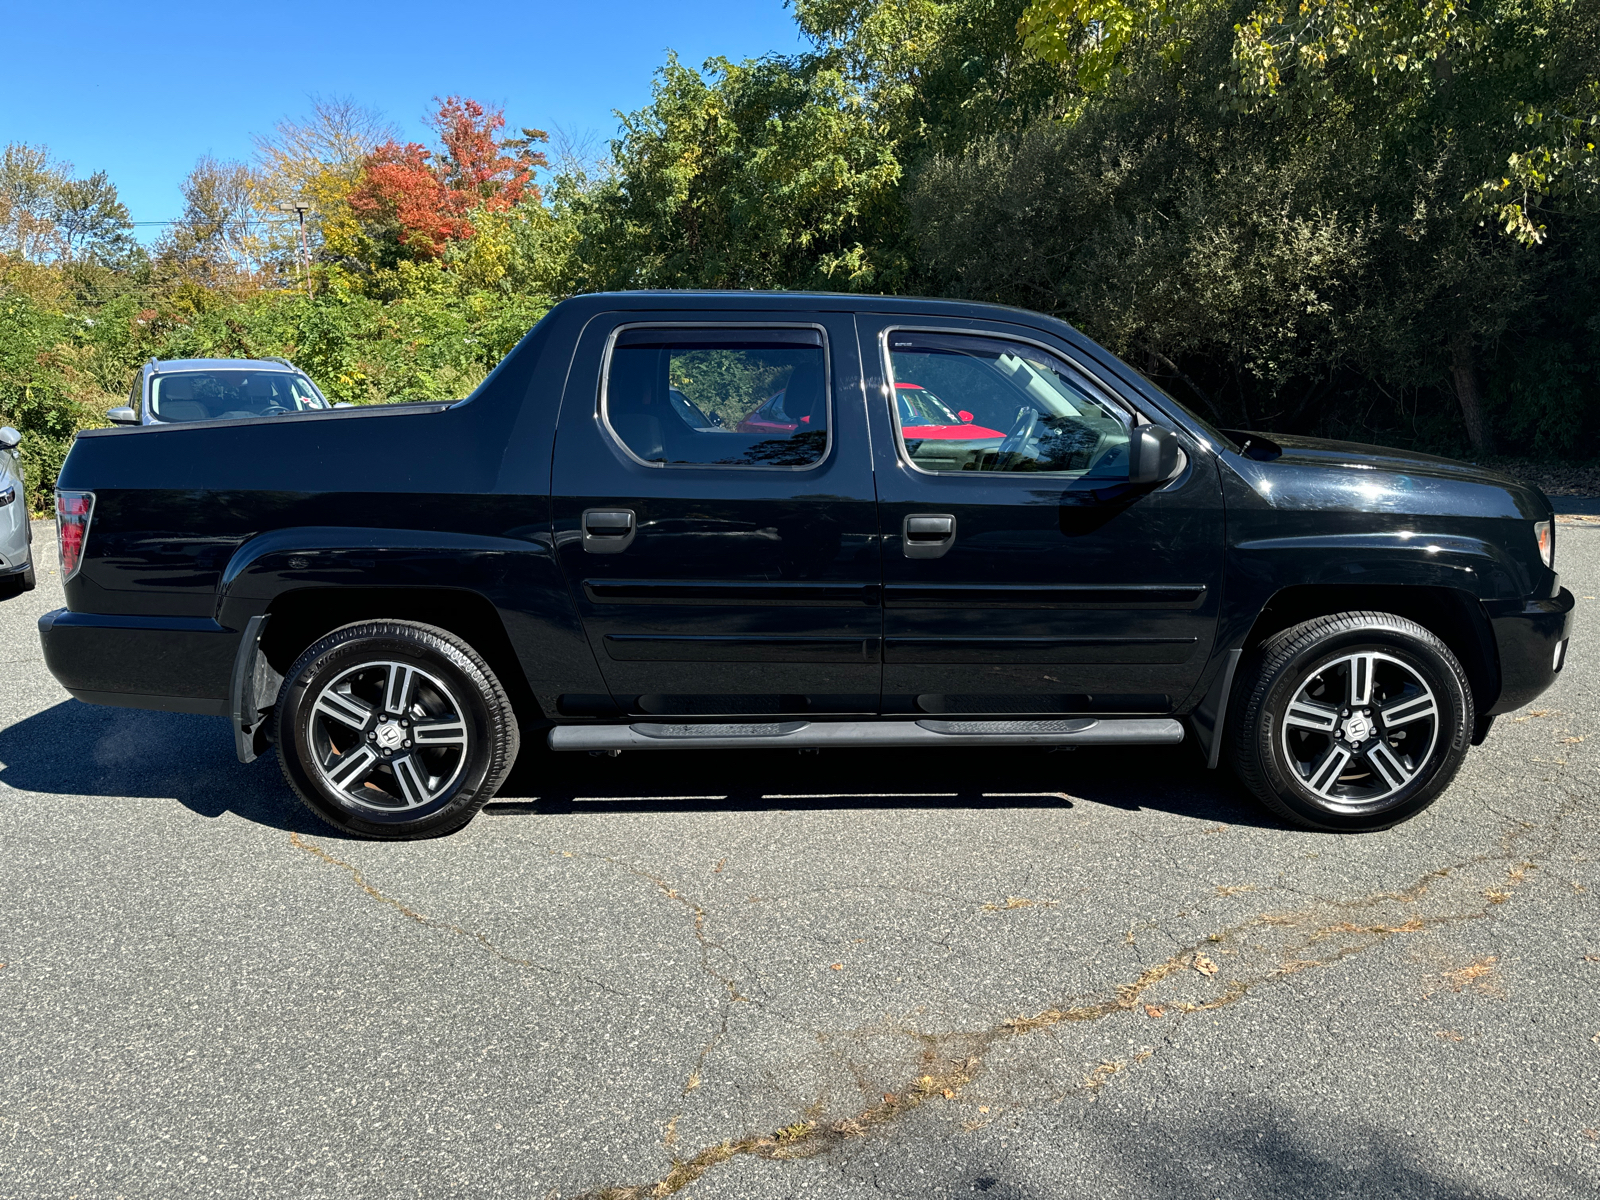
981 404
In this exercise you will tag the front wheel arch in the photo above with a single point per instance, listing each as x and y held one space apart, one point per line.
1453 616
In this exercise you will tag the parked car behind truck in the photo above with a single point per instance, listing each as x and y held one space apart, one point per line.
401 598
16 534
217 389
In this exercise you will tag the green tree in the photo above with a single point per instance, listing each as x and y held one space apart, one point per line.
763 174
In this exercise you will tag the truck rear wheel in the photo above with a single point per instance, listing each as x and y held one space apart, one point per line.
394 730
1355 721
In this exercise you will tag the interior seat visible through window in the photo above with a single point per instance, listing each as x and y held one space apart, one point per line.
719 398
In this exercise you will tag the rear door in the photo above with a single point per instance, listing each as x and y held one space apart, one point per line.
715 514
1022 575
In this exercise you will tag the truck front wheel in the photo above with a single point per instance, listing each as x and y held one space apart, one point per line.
392 729
1355 721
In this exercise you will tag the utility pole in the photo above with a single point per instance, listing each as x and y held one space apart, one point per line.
301 207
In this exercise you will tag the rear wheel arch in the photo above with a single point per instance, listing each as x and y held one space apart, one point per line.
303 615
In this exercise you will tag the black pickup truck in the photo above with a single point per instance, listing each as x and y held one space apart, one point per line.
740 520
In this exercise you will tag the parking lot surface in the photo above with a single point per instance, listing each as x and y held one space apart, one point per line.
1010 974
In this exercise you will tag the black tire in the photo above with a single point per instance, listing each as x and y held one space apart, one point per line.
449 701
1392 767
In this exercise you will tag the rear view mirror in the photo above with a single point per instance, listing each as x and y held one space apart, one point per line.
10 439
1154 455
122 416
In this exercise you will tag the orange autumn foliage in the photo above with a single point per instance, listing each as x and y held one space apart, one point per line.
425 198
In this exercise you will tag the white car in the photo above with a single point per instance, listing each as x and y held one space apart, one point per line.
16 553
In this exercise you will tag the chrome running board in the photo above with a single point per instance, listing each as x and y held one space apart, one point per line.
1076 731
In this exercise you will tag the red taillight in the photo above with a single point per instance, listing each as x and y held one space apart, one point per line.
73 510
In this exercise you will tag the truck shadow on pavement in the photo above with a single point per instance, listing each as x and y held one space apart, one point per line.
77 749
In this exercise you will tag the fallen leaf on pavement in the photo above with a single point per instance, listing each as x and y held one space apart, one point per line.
983 1108
1449 1035
838 966
1154 1010
1474 973
1236 889
1204 965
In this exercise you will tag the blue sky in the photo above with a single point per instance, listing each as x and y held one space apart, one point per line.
142 90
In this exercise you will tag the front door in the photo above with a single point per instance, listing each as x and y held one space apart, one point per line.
1022 574
715 515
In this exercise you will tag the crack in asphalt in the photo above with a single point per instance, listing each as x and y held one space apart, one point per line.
411 914
949 1062
707 946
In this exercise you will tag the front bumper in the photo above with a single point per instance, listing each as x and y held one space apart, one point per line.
173 664
1531 640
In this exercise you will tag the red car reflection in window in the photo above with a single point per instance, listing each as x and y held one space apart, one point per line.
924 415
770 418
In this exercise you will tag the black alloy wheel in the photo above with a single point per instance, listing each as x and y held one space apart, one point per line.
394 730
1351 722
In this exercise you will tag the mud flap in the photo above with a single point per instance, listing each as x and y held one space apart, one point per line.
253 693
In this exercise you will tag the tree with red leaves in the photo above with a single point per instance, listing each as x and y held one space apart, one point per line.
415 201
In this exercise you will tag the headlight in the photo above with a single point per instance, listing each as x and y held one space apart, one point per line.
1545 531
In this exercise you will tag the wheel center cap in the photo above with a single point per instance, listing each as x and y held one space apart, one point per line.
390 735
1357 727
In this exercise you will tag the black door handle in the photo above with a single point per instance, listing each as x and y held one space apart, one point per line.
608 530
927 535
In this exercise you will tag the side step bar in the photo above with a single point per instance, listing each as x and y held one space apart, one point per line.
1079 731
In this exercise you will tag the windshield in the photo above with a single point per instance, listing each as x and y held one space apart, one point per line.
211 395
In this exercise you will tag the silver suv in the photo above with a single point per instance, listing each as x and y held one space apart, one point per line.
16 554
216 389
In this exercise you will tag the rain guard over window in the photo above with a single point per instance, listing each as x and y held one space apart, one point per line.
990 404
719 397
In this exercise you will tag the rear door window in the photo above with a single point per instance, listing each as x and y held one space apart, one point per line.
702 397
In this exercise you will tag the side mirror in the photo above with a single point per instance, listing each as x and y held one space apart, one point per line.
1154 455
10 439
122 416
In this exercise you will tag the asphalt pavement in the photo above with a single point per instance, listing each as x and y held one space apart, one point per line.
1010 974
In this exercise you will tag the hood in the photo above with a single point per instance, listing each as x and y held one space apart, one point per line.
1328 453
1303 472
